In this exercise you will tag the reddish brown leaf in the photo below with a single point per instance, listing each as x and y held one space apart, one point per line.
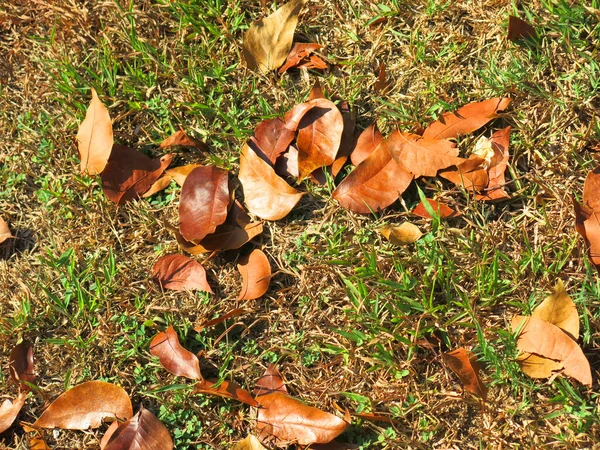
367 142
95 137
316 91
173 356
335 445
319 136
442 210
271 138
313 62
129 174
466 119
217 320
204 202
142 432
591 190
180 138
270 382
372 417
500 141
266 194
422 157
21 365
179 174
375 184
519 29
256 275
592 235
178 273
347 142
224 389
38 442
291 420
9 410
464 364
299 54
85 406
469 174
4 231
382 83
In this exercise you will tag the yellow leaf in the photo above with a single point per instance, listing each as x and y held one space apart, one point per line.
405 234
559 310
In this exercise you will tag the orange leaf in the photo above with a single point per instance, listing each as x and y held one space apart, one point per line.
9 410
469 174
142 432
224 389
180 138
442 210
591 190
256 274
272 138
178 273
299 53
173 356
464 364
95 137
249 443
270 382
179 174
21 365
367 142
382 83
4 231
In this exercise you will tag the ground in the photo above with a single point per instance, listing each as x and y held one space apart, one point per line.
348 315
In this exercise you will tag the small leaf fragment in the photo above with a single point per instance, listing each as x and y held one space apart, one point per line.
173 356
21 365
224 389
4 231
519 29
444 211
9 410
249 443
182 139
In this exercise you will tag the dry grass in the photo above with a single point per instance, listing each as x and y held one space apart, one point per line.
471 274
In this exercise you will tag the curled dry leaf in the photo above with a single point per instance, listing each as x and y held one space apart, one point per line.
405 234
95 137
173 356
256 274
266 194
130 174
347 142
441 209
375 184
85 406
9 410
382 82
290 420
268 41
300 56
249 443
367 142
204 202
519 29
466 119
498 162
470 174
217 320
287 165
159 185
142 432
464 364
224 389
4 231
178 273
21 365
180 138
270 382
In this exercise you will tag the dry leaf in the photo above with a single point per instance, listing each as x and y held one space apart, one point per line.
249 443
21 365
161 184
519 29
178 273
466 119
217 320
464 364
268 41
559 310
591 190
179 174
347 142
142 432
404 234
497 164
173 356
266 194
367 142
180 138
316 91
442 210
4 231
9 410
86 406
537 366
270 382
470 174
300 56
95 137
38 442
256 275
224 389
271 138
382 83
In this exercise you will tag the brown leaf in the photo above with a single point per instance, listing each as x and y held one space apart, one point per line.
271 138
545 339
173 356
142 432
334 445
592 235
85 406
499 143
108 434
270 382
4 231
537 366
266 194
367 142
38 442
179 174
404 234
519 29
178 273
291 420
268 41
9 410
217 320
95 137
382 83
470 174
464 364
316 91
159 185
224 389
256 275
21 365
559 310
442 210
299 54
180 138
591 190
319 136
375 184
287 165
374 417
129 174
204 202
466 119
249 443
347 142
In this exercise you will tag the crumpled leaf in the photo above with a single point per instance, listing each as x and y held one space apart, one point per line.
301 56
444 211
404 234
142 432
470 174
497 164
173 356
182 139
249 443
4 231
366 143
464 364
9 410
266 194
269 40
21 365
86 406
178 273
256 275
95 137
466 119
224 389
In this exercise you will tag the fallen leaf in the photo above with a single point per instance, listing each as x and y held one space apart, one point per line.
464 364
334 445
256 275
178 273
466 119
217 320
9 410
161 184
95 137
173 356
382 83
498 162
4 231
269 40
537 366
38 442
591 190
300 54
130 174
272 138
287 164
21 365
86 406
559 310
545 339
372 417
366 143
204 202
142 432
182 139
108 434
404 234
319 136
347 142
291 420
442 210
592 235
249 443
316 91
270 382
519 29
470 174
179 174
266 194
224 389
374 184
